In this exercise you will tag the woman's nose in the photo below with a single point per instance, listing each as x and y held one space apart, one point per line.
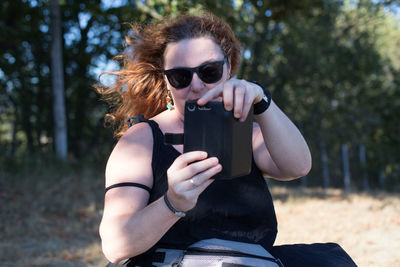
196 85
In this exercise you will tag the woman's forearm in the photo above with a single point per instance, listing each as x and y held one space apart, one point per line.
285 143
126 236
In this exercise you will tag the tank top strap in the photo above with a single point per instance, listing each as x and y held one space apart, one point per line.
132 120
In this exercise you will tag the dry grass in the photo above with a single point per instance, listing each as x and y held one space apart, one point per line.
53 221
367 226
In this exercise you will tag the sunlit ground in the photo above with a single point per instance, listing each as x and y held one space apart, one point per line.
55 222
367 226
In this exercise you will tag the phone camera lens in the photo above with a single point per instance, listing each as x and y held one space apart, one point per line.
191 107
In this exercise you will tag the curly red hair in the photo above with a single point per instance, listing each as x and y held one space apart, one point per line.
140 87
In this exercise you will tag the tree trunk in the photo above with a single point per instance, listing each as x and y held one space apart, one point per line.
346 168
363 162
59 113
324 165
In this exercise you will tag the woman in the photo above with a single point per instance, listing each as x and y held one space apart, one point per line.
151 184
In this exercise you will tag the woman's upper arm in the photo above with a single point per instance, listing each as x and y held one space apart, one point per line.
130 161
262 156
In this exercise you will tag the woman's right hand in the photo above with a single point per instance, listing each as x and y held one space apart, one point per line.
188 176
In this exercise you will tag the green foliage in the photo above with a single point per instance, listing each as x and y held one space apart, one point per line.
332 66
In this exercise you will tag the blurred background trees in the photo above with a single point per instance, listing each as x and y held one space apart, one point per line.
333 66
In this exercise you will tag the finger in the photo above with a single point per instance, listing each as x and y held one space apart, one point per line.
197 168
203 177
238 102
186 158
228 96
211 94
187 191
189 198
247 103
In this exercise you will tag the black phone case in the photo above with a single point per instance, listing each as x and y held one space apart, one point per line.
212 129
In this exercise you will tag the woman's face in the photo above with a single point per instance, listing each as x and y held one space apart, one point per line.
193 53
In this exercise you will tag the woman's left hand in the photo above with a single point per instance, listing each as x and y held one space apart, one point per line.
237 95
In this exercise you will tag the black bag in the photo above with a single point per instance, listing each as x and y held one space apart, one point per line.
212 252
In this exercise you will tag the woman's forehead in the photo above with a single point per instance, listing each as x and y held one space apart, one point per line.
191 52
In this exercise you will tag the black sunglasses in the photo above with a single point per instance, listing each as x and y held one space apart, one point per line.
209 72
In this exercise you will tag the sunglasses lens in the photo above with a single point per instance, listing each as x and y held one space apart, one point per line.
211 73
208 73
179 78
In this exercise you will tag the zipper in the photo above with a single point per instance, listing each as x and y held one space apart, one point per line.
222 252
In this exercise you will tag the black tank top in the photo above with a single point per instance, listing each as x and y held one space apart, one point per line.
239 209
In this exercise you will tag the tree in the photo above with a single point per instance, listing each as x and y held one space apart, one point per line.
57 74
332 66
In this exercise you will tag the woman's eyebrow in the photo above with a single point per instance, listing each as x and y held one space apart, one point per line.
204 62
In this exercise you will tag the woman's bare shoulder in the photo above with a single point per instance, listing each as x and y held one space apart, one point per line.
130 160
139 132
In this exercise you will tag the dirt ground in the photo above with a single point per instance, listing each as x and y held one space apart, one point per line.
56 223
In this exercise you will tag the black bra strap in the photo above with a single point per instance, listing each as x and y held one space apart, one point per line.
128 184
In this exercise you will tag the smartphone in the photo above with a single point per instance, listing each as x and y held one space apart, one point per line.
215 130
